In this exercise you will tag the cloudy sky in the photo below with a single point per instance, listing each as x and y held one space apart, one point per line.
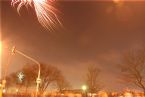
93 32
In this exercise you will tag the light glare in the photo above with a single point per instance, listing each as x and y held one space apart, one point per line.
84 87
0 47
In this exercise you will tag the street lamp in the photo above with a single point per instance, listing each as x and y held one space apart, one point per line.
84 88
38 80
3 82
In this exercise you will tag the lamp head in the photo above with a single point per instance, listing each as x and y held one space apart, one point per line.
13 49
84 87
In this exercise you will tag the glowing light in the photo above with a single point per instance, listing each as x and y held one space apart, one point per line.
84 87
17 90
62 94
20 76
45 12
0 93
127 94
4 90
118 2
102 94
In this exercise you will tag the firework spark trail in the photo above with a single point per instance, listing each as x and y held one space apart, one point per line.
45 12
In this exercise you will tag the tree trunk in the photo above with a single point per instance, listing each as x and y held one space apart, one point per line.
26 89
144 92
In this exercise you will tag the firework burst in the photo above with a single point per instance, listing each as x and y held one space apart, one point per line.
45 12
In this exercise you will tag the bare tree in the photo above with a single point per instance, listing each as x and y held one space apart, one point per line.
28 80
13 81
133 68
62 83
49 75
92 80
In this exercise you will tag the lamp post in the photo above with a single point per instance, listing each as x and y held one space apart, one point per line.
0 90
0 56
84 88
38 80
3 82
